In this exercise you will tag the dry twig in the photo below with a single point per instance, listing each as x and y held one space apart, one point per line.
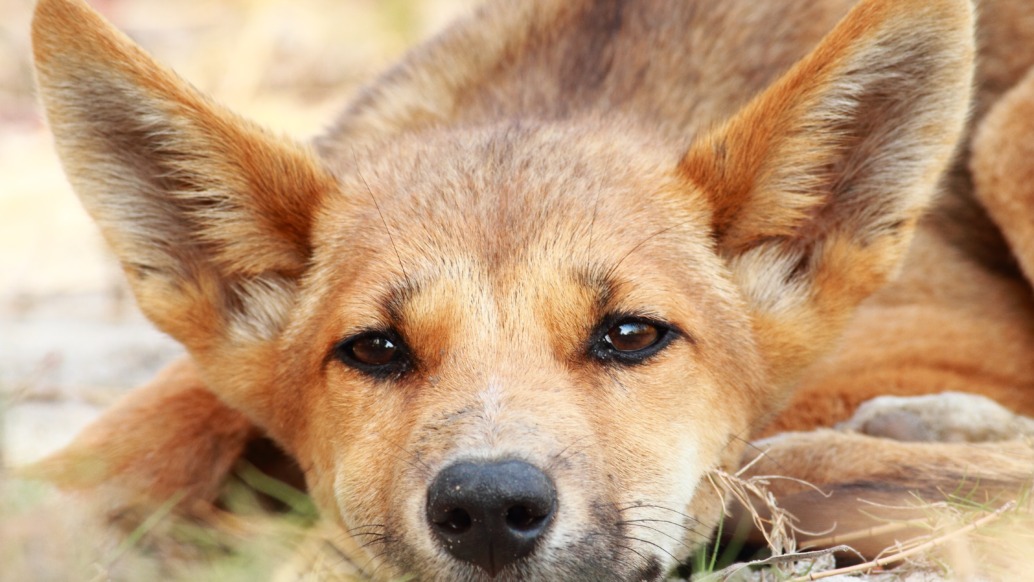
902 555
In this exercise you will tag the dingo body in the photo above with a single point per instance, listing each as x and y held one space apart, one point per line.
567 258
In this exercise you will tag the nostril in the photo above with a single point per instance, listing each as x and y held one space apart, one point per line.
524 519
455 521
490 514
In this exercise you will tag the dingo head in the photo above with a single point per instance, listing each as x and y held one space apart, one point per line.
513 350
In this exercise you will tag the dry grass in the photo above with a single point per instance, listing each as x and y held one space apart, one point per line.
968 537
49 536
45 536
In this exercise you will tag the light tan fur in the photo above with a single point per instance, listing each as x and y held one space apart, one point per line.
747 173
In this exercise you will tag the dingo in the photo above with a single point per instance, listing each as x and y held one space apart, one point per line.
557 265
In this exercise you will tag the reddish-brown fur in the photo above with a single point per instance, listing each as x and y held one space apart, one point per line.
149 449
721 167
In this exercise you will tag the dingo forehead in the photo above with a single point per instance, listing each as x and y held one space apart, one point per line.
514 225
512 195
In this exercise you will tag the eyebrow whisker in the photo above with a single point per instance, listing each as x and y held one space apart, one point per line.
379 213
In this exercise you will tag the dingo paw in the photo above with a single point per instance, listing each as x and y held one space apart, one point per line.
945 417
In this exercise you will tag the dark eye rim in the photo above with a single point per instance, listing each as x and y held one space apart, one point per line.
601 350
399 364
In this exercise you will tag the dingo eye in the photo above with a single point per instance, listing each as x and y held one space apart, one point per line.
373 352
632 336
631 340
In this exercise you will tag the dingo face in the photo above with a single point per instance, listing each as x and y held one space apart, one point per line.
526 326
512 345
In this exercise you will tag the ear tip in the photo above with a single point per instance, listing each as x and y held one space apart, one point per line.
51 16
56 23
962 11
71 40
957 14
945 29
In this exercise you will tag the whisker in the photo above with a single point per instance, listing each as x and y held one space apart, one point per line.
561 455
660 531
667 521
341 555
592 223
381 539
411 458
418 466
368 533
374 558
380 563
617 545
350 530
379 213
654 544
761 452
645 559
661 507
614 267
346 559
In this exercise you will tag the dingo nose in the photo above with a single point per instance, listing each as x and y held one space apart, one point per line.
490 514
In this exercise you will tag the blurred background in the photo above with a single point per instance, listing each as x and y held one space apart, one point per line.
71 339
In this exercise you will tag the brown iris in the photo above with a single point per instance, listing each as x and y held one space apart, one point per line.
630 340
374 350
378 353
632 336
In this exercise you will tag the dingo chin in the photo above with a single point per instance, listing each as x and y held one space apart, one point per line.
539 281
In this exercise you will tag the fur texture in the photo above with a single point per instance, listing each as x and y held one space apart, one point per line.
743 175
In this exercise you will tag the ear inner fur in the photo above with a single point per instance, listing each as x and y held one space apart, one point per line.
204 209
817 184
857 103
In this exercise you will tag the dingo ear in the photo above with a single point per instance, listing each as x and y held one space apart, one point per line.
817 184
204 210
